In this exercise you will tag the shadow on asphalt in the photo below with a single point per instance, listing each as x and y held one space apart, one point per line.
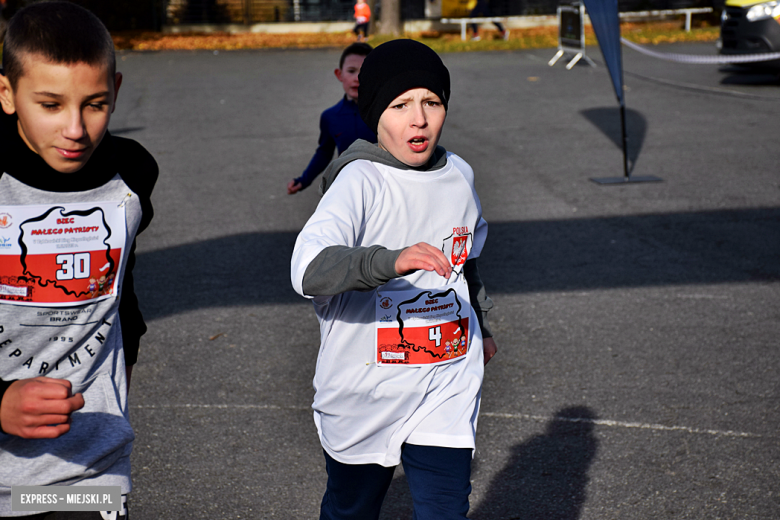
608 121
520 257
545 477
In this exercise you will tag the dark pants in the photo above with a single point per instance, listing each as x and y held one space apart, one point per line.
439 481
361 27
483 9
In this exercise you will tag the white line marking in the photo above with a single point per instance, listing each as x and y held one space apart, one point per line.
539 418
622 424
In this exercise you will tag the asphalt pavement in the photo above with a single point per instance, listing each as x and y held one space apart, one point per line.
637 324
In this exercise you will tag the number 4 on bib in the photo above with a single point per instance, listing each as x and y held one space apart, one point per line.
423 327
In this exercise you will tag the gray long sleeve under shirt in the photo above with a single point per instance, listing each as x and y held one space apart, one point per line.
339 269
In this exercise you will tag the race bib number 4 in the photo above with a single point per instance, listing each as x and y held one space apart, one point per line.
422 327
60 255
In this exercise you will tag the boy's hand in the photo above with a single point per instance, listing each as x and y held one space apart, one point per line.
489 349
38 408
294 187
423 256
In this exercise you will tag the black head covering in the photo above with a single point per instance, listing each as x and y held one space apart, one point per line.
395 67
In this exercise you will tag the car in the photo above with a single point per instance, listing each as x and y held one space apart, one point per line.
750 27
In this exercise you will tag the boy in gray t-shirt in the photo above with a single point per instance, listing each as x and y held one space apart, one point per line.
72 200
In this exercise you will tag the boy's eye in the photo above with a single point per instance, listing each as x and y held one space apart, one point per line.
432 103
97 106
398 106
49 106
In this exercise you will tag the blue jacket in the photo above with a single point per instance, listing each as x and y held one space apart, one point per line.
340 126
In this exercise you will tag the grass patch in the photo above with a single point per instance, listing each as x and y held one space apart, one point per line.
533 38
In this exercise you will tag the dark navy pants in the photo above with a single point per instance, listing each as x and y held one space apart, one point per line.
483 9
439 481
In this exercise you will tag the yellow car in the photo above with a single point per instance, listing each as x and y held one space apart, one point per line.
750 27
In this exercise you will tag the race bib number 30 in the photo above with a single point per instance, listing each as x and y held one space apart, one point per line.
60 255
422 327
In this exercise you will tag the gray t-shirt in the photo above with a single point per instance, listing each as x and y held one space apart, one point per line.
63 264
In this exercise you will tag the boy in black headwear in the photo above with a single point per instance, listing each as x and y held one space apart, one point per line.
389 259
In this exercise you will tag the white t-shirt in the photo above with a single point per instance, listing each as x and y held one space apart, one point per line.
364 412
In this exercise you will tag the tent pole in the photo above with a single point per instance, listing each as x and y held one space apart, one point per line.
625 147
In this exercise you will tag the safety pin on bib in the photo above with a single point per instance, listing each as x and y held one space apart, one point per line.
125 200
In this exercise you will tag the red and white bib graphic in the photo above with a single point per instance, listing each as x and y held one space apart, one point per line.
459 252
457 246
61 255
422 327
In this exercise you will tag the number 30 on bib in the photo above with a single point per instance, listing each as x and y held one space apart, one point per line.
61 255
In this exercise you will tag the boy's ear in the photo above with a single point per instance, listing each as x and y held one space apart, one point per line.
337 72
6 96
117 84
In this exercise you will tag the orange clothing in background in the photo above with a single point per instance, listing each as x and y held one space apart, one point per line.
362 13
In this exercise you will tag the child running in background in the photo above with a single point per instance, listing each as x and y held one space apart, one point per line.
481 8
340 125
362 19
389 259
69 320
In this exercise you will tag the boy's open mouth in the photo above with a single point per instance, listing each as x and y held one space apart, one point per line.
418 144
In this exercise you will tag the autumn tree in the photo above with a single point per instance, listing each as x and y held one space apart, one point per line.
390 22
